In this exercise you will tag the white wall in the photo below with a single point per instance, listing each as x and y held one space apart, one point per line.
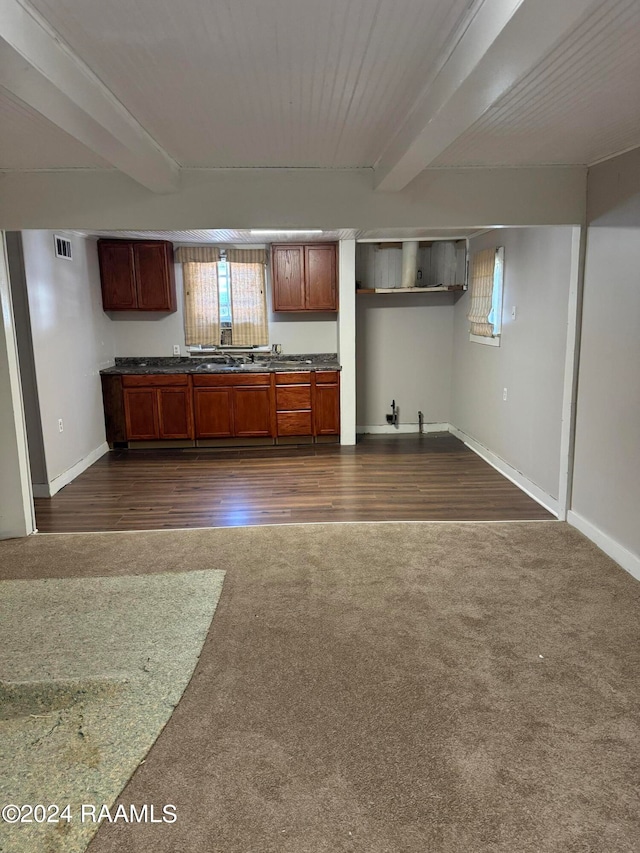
525 430
149 333
606 488
293 198
16 508
72 341
404 346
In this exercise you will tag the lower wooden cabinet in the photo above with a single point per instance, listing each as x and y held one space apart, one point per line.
210 406
252 412
232 405
293 404
157 407
326 407
213 409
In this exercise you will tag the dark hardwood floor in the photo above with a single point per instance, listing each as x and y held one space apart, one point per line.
383 478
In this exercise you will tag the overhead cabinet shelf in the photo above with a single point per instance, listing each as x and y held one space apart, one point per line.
440 267
452 288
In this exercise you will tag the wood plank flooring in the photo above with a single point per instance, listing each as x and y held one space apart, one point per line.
433 477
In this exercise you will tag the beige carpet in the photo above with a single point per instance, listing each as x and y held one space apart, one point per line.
388 689
90 671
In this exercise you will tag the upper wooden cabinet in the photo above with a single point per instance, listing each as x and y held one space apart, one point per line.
303 277
137 275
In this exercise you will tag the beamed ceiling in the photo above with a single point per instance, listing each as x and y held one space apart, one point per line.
396 86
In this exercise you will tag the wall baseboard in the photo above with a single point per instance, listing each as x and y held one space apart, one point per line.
70 474
524 483
629 561
388 429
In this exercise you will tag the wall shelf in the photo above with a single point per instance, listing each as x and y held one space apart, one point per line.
450 289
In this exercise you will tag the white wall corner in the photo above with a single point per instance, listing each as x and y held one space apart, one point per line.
572 357
528 486
71 473
347 340
16 504
629 561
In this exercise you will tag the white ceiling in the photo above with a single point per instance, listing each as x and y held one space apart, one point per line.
302 83
580 105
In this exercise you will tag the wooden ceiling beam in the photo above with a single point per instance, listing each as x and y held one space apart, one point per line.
503 40
37 68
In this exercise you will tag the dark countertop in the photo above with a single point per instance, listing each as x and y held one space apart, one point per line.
219 363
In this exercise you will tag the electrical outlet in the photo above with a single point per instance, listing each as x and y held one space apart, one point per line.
504 394
176 349
513 313
60 425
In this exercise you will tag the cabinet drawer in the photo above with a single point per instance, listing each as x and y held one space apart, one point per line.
153 380
293 398
324 377
294 423
221 380
293 378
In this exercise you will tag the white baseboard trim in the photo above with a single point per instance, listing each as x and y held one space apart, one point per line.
524 483
71 473
625 558
388 429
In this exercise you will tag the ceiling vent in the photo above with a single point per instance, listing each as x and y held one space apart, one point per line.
63 247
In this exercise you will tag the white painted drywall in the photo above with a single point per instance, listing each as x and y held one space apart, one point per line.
524 430
72 341
346 339
606 484
293 198
404 345
150 333
16 506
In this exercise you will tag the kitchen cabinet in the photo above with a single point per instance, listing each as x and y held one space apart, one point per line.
293 404
194 406
137 275
233 405
326 408
213 410
303 277
157 407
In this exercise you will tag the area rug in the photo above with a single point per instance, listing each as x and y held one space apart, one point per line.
90 671
388 688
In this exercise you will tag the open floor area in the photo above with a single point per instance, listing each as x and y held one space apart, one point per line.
431 477
364 688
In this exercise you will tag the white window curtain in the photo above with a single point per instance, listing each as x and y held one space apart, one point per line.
482 295
248 297
201 306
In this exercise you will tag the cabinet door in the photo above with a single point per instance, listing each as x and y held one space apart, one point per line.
252 411
320 278
287 278
175 418
326 410
154 276
213 408
117 276
141 413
